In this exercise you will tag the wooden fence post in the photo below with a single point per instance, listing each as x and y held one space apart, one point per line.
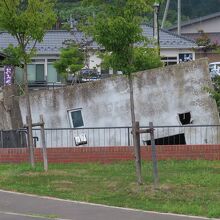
137 128
31 149
43 142
154 156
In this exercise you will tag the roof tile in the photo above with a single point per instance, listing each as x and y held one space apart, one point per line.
53 40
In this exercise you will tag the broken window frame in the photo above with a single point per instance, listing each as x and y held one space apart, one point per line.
184 114
71 119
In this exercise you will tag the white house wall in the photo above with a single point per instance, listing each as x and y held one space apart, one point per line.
94 62
159 95
208 26
175 53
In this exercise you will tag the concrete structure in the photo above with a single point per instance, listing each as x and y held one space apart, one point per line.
172 48
161 95
9 109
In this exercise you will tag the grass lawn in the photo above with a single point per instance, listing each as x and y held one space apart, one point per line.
188 187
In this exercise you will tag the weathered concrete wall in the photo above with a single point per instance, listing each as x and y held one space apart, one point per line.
173 90
10 118
5 121
9 108
160 94
11 104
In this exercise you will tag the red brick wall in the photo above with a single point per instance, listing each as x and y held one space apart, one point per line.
109 154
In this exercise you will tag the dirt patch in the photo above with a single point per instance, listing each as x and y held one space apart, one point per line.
50 172
63 185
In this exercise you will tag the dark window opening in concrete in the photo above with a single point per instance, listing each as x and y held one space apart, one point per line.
76 119
177 139
185 118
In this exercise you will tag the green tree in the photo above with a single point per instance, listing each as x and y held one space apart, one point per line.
117 27
70 62
27 21
205 42
190 9
67 10
12 58
215 91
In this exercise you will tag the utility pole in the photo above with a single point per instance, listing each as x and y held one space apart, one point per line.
165 13
156 26
179 17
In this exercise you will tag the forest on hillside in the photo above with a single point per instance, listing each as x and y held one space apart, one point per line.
190 9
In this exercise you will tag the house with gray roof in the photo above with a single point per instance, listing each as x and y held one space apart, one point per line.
193 29
210 24
173 49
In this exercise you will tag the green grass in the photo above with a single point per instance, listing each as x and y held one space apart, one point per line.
187 187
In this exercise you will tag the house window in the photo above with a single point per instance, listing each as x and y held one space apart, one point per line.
52 75
19 72
35 72
75 118
169 60
39 72
185 57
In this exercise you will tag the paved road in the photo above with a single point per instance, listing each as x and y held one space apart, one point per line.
15 206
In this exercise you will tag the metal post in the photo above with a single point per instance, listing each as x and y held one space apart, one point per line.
129 144
31 149
154 156
2 138
156 26
179 17
137 128
165 14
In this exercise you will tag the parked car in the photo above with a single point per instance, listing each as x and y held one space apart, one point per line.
214 69
88 75
84 75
